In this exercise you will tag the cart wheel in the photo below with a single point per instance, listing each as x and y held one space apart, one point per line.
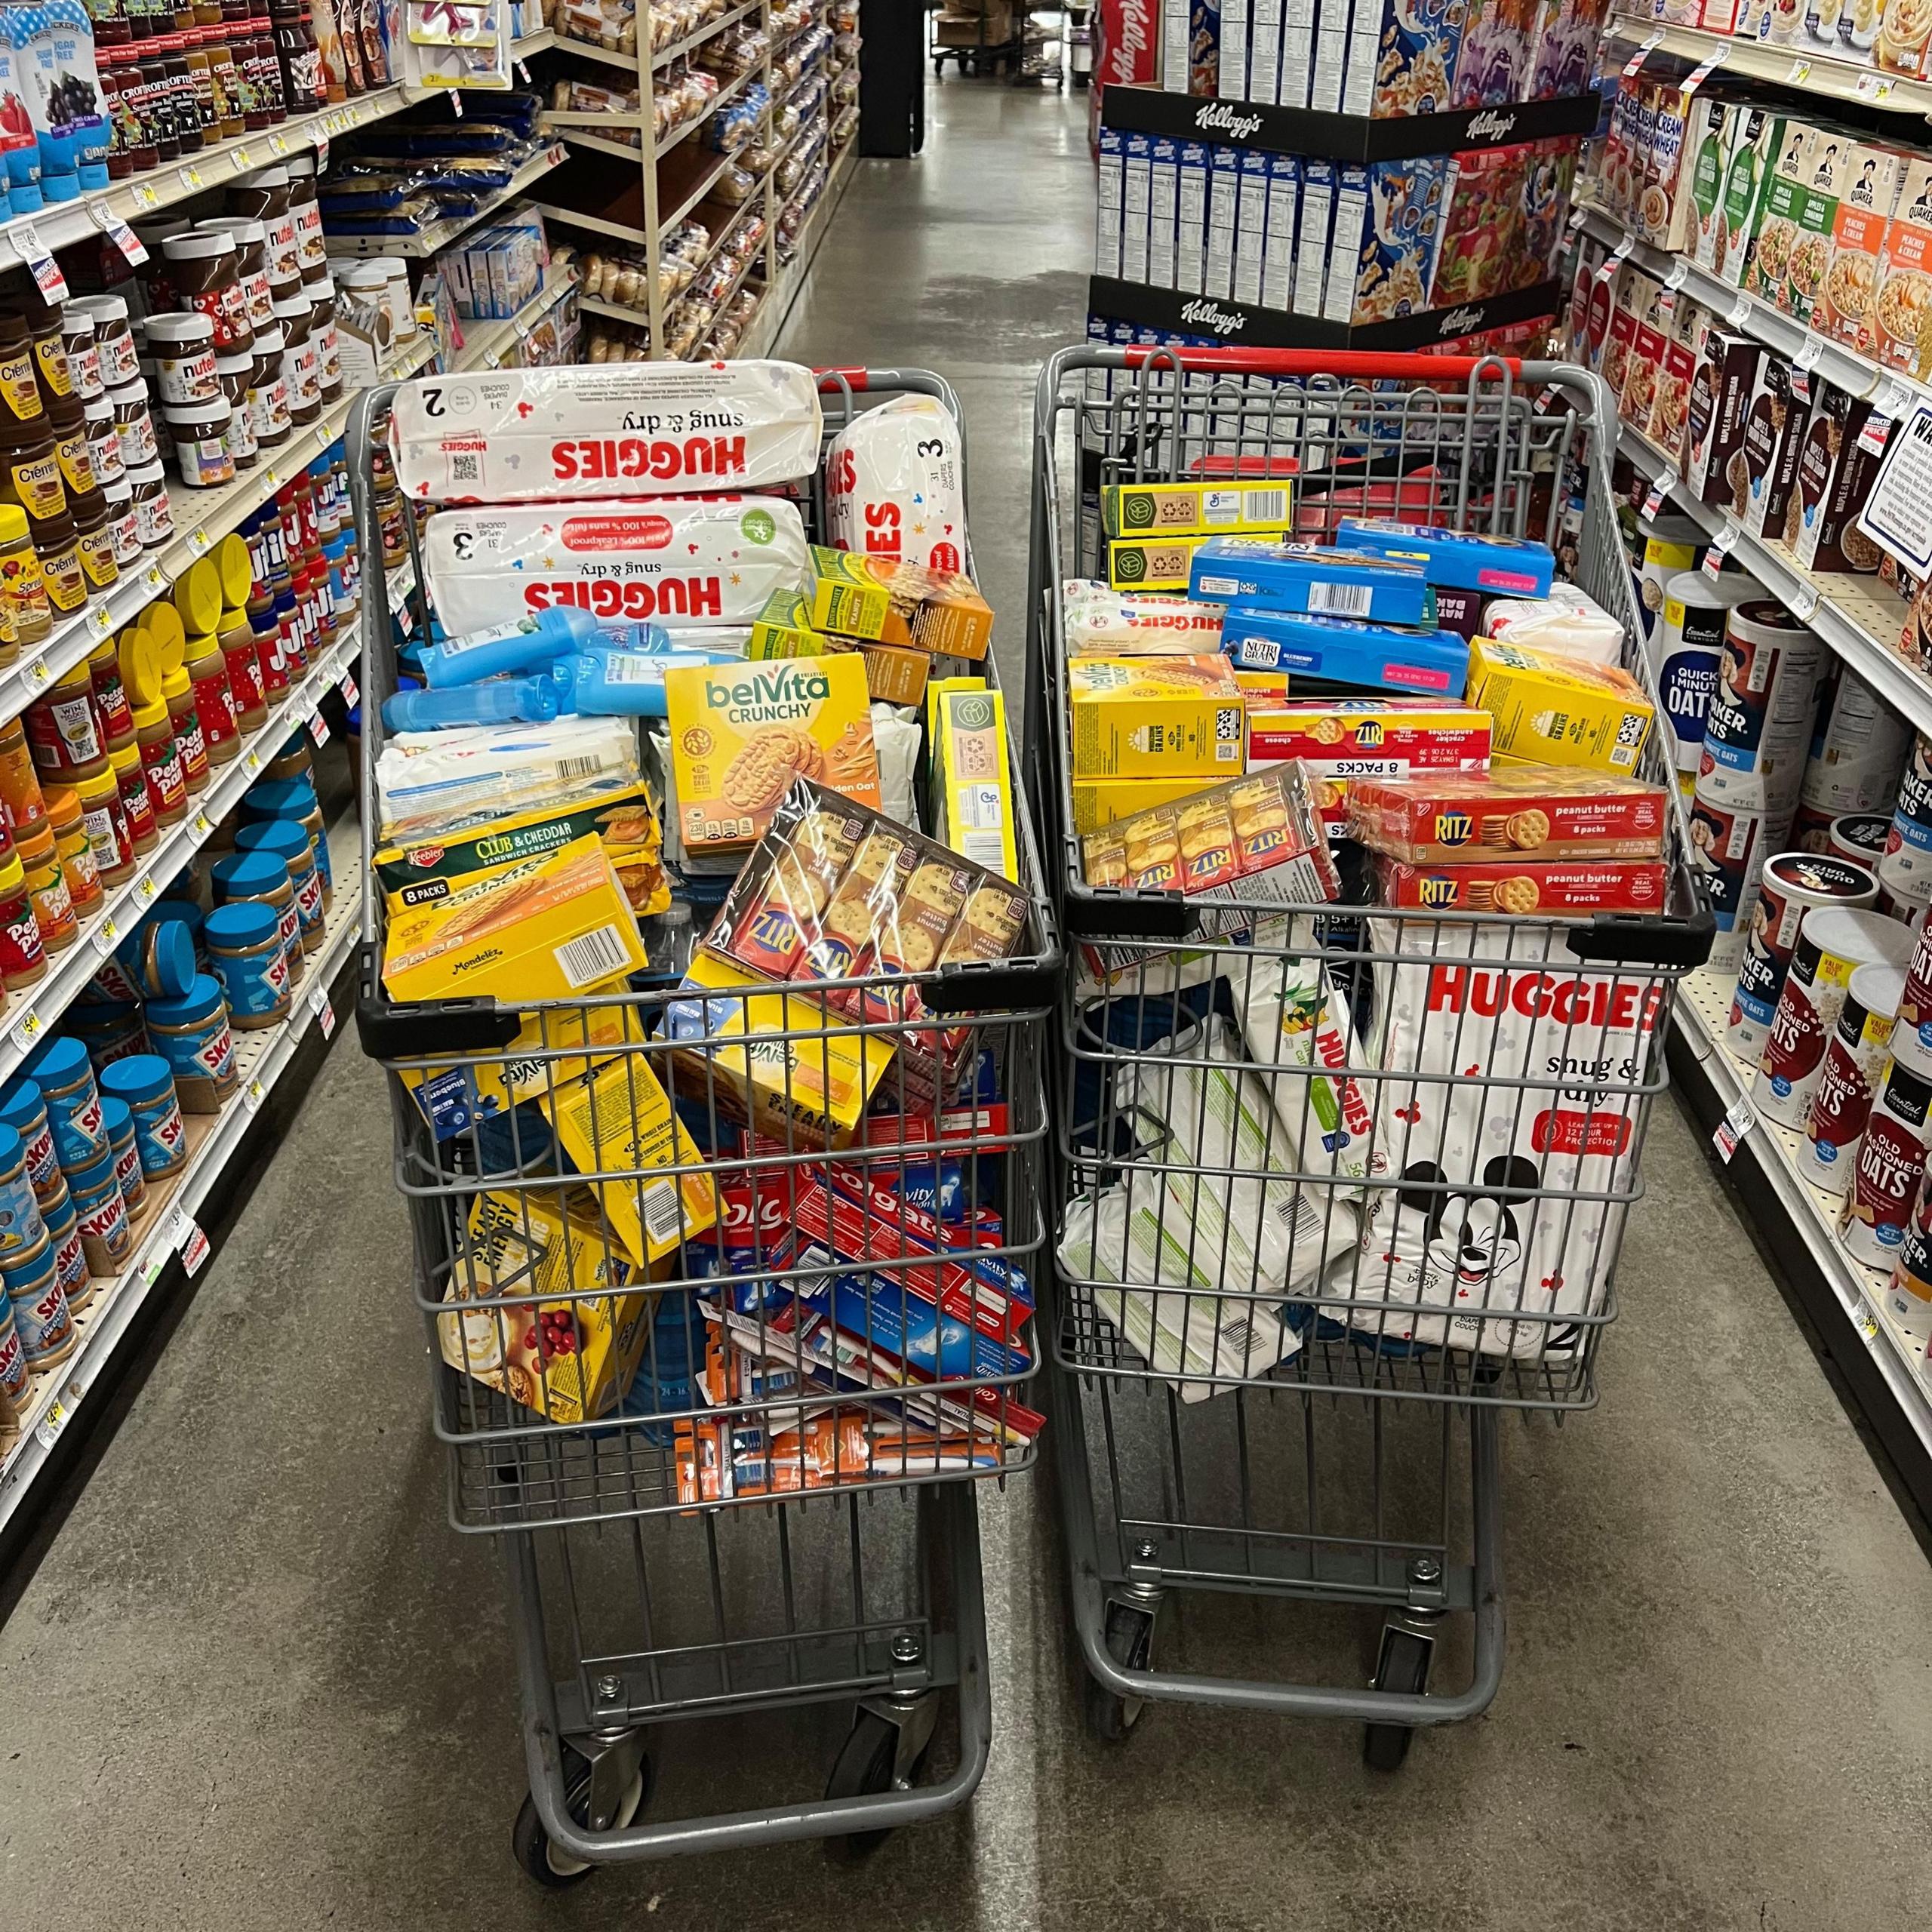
554 1870
1403 1667
864 1769
1130 1645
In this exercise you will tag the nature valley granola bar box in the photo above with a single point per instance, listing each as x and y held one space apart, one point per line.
884 600
740 736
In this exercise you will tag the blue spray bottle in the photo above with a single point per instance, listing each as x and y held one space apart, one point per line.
620 684
527 645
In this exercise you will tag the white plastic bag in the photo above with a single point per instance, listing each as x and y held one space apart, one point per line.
892 484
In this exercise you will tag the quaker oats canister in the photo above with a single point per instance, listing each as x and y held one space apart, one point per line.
1793 883
1890 1166
1854 1063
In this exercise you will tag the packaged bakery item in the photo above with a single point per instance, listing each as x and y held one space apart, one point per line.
1559 710
880 599
895 484
1310 579
1464 569
1102 622
1155 717
740 736
1361 737
1557 889
1346 650
610 429
1193 509
1159 563
1568 621
1518 812
435 784
677 561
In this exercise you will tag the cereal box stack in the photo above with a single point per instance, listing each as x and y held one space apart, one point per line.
707 812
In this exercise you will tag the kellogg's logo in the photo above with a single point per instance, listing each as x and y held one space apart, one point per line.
1489 126
1221 117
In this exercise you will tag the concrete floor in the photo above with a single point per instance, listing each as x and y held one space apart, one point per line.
256 1681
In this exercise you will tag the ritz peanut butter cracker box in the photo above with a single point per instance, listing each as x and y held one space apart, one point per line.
741 734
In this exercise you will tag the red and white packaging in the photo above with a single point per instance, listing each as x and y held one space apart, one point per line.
1469 1233
604 429
682 561
1368 738
1907 1297
1854 1063
893 487
1890 1164
1911 1038
1538 890
1104 622
1793 883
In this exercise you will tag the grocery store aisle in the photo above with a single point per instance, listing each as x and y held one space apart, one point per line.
256 1682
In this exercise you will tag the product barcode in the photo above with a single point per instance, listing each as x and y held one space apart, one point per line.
1304 1222
983 848
1632 729
465 466
1266 506
596 955
663 1221
1339 600
576 767
1237 1339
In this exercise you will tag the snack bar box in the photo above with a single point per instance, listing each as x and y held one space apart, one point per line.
1187 509
1464 569
1516 812
1307 578
610 430
1346 650
1559 710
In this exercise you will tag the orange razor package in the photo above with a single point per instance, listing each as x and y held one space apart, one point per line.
1542 812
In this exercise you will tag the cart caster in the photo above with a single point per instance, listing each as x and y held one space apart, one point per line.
886 1752
557 1870
1130 1645
1403 1666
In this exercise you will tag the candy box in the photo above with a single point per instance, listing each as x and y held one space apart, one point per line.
1158 563
1344 651
1155 717
1309 578
1193 508
1512 813
1561 710
1558 889
887 600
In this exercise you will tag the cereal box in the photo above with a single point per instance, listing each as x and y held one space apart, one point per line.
740 735
1515 812
1754 156
1559 888
1572 31
1159 563
1494 66
1870 194
887 601
1397 253
1632 290
1902 304
1414 53
1562 710
1099 801
1664 202
1192 509
1548 178
1155 717
1481 225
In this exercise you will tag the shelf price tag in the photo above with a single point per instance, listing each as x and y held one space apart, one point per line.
253 760
1705 68
321 151
1800 383
350 694
523 73
456 102
106 937
192 179
38 260
118 231
1740 311
200 829
1738 1122
244 160
200 542
188 1241
153 578
153 1267
58 1410
1721 546
1624 249
1634 65
1660 490
1800 72
1680 273
279 144
253 1095
1875 86
1806 354
318 729
100 620
37 674
1803 601
1872 437
1578 216
28 1027
318 1004
145 193
147 890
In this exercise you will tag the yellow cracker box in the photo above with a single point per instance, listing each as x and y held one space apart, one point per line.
1162 563
791 1079
884 600
624 822
782 629
1099 801
616 1121
1155 718
1562 710
741 734
973 782
1187 509
568 1360
549 928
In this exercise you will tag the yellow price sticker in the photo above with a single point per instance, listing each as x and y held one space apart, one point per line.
38 674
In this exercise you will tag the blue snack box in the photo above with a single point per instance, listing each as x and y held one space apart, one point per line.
1451 559
1307 577
1345 651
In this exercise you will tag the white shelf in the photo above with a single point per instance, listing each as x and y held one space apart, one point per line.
1796 65
203 517
440 235
1700 1013
487 340
262 1056
1857 616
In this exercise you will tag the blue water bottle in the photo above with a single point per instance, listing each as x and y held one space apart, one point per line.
619 683
525 645
506 701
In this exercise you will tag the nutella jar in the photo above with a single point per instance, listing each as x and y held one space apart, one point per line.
113 340
134 427
83 357
95 542
103 441
301 362
208 281
57 543
243 446
19 393
123 526
70 448
154 516
199 433
183 348
30 472
263 197
270 392
306 208
249 237
322 333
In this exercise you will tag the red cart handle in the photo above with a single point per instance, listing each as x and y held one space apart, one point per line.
1322 362
852 379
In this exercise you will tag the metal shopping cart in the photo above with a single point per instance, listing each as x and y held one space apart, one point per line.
779 1512
1335 1187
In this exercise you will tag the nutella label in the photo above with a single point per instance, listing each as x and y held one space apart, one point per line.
189 376
119 363
261 303
135 428
85 363
309 236
154 518
302 371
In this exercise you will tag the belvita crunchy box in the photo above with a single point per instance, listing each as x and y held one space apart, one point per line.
674 561
610 429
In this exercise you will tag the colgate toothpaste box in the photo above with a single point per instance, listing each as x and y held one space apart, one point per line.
608 429
678 561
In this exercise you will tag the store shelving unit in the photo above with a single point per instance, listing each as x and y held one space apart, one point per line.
439 235
484 343
1796 65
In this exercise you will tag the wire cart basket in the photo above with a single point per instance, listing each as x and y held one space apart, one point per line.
774 1508
1335 1187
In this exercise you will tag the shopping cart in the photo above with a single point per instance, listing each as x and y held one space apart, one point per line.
1359 1181
779 1512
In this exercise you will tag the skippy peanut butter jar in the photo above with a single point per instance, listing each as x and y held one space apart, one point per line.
610 430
